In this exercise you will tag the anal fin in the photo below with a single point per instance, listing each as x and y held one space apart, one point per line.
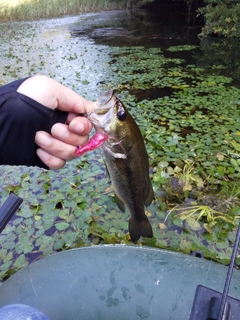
150 196
120 203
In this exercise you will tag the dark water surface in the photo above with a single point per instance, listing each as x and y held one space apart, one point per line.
166 27
162 27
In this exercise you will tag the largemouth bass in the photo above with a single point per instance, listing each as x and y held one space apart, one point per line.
126 160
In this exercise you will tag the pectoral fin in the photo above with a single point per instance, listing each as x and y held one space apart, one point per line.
150 196
120 203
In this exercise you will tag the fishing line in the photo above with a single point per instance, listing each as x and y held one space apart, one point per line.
229 275
218 237
211 257
210 304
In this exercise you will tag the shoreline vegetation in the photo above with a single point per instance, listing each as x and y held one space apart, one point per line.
32 9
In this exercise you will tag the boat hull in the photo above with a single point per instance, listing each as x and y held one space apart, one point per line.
115 282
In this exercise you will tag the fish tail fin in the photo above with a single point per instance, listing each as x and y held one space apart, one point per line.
138 228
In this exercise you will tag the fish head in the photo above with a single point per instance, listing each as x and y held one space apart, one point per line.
109 115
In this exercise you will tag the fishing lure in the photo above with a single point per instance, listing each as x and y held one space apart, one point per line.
95 142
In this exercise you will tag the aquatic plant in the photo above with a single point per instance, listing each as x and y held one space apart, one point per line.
194 213
189 117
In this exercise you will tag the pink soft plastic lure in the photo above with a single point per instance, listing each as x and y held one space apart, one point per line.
95 142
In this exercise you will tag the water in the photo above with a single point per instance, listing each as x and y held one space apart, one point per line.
81 53
163 28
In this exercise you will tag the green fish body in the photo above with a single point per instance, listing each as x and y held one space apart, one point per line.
126 160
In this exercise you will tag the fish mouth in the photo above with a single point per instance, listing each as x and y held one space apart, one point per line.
96 123
91 117
99 104
101 117
104 99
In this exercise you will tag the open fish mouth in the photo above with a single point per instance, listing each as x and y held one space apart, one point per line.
104 99
100 109
101 118
110 144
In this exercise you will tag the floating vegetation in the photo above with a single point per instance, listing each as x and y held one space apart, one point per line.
189 118
182 48
194 213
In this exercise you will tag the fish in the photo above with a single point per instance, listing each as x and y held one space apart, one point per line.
124 153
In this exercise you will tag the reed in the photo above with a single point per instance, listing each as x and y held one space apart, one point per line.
34 9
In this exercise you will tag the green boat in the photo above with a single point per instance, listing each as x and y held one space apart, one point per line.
116 282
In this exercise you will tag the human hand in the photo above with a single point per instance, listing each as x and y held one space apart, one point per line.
59 146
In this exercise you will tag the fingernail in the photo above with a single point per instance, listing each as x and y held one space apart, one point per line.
90 106
42 139
59 130
44 156
77 126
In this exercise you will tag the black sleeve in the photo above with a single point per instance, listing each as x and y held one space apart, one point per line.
20 118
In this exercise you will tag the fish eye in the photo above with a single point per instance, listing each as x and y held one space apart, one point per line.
121 115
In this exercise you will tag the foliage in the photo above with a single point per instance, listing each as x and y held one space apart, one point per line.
222 54
222 18
189 117
30 9
193 213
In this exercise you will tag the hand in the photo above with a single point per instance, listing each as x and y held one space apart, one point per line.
59 146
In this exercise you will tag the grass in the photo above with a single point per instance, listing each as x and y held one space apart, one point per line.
31 9
204 212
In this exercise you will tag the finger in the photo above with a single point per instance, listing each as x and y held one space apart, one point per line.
54 146
51 161
89 106
80 126
70 101
53 94
61 132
